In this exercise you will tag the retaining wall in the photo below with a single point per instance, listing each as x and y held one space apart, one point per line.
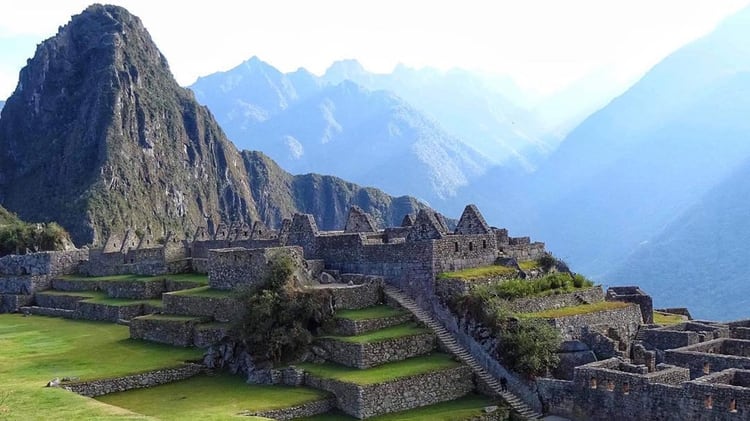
366 355
136 381
397 395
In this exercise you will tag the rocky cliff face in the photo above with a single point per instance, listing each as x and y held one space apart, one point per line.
99 137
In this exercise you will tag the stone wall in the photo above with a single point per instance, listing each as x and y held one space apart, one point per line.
633 294
397 395
600 393
352 297
235 267
366 355
177 332
206 335
711 356
300 411
24 284
575 327
590 295
134 289
222 309
52 263
101 387
349 327
11 303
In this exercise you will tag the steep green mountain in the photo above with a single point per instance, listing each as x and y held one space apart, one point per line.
631 168
17 236
701 260
370 137
99 137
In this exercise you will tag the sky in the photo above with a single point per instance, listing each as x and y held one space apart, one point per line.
543 45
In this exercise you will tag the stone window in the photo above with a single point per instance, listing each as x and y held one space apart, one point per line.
706 368
471 246
455 245
484 244
592 383
611 386
626 388
732 405
709 402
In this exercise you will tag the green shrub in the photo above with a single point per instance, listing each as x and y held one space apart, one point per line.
529 346
281 317
547 262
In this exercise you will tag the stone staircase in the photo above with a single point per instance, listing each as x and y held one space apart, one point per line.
452 345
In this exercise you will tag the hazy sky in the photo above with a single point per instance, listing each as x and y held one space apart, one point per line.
542 44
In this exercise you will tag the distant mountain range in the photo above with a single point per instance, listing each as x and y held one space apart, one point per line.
100 138
637 167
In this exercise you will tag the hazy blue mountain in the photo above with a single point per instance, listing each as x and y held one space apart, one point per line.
631 168
466 105
701 260
251 93
309 125
369 137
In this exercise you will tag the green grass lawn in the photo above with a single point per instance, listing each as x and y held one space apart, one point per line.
479 273
463 408
100 297
399 331
205 292
216 397
374 312
36 349
199 278
576 310
667 318
381 373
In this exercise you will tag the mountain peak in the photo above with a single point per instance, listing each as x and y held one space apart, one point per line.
345 69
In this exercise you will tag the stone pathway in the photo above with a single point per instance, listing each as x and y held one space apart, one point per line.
458 350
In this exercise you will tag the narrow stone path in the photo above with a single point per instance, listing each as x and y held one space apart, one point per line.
450 342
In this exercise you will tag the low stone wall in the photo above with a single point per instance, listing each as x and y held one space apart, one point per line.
575 327
135 289
11 303
51 263
108 313
75 285
206 335
51 312
199 265
171 285
233 267
23 284
300 411
353 297
222 309
136 381
348 327
166 331
67 302
371 354
397 395
590 295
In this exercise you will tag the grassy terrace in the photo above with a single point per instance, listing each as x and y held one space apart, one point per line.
382 373
484 272
374 312
187 277
667 319
576 310
210 398
205 292
99 297
529 264
465 408
37 349
399 331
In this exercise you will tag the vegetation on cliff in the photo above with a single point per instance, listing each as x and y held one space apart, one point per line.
17 236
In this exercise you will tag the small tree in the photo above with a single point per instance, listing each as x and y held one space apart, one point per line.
529 346
281 317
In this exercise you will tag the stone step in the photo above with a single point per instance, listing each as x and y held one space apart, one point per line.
455 348
168 329
357 322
